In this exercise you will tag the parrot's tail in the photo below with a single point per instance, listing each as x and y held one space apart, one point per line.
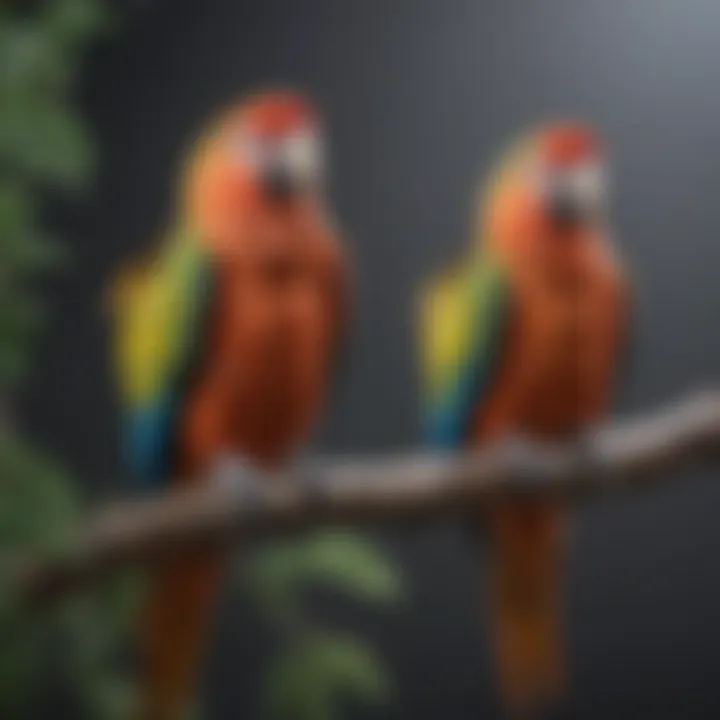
180 607
527 581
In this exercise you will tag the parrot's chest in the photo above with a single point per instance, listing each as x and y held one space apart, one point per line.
270 352
567 343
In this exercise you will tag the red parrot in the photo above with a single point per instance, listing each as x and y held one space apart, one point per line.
226 344
522 340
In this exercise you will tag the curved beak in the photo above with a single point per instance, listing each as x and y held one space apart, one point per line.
567 210
280 183
578 199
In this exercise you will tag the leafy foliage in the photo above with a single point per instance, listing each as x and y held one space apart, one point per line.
35 512
44 149
311 678
78 642
281 571
317 670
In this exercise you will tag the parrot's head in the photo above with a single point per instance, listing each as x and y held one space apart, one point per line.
266 154
549 194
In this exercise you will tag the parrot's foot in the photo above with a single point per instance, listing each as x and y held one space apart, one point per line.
533 467
238 476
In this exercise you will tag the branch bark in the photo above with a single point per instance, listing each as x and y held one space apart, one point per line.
416 487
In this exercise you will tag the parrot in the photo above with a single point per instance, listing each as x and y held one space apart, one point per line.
521 340
225 342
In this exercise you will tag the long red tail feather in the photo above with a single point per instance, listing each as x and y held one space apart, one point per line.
527 582
174 633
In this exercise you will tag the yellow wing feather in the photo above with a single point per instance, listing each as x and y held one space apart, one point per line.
446 329
150 322
143 310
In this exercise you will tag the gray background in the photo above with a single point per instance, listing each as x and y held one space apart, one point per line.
420 94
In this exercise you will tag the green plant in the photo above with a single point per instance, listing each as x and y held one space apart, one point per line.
317 669
45 151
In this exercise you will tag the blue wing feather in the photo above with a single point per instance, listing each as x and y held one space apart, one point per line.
466 375
147 439
161 343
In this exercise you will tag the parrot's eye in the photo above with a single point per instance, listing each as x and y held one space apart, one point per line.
571 195
586 182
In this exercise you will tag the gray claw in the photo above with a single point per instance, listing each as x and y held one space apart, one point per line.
238 476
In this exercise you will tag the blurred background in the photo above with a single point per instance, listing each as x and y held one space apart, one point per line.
420 96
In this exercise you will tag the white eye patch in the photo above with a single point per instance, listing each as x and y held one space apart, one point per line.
585 182
300 154
589 183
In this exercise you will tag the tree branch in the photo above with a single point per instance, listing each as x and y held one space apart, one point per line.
411 488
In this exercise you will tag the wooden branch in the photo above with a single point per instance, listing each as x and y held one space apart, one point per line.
412 488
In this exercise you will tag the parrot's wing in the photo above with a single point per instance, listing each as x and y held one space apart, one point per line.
161 312
464 320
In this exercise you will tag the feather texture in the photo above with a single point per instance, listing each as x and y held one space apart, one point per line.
464 318
161 312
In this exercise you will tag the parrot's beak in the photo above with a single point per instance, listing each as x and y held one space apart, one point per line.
281 184
292 168
567 210
578 199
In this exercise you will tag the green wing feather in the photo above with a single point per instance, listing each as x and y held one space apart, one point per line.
464 320
161 317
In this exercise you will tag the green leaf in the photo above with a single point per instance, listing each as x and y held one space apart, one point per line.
17 211
38 506
74 21
356 668
37 512
335 559
313 678
45 145
42 138
13 365
297 688
111 698
29 60
20 316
